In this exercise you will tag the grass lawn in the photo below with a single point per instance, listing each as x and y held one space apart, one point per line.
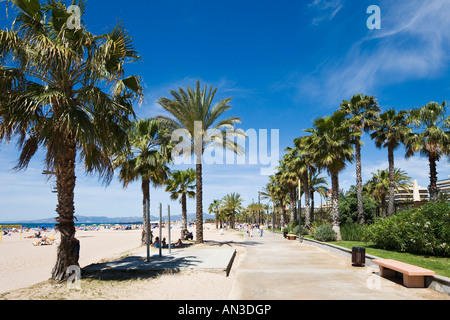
439 265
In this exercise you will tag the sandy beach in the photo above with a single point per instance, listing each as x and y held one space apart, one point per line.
23 265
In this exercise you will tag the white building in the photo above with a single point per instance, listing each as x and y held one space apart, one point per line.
444 185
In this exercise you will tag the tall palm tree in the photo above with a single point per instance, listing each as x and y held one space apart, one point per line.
331 147
389 132
303 164
432 141
214 208
194 114
280 190
277 194
378 185
232 203
317 184
181 185
146 160
63 89
288 175
361 111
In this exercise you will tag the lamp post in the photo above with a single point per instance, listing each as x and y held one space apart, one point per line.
147 218
299 211
168 217
160 229
273 217
259 209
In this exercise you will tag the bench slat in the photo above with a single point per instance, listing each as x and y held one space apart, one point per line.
404 268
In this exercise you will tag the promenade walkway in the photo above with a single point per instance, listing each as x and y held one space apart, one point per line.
273 268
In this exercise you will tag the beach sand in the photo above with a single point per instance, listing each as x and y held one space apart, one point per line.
25 269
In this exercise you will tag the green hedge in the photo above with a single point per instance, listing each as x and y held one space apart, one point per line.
424 230
353 232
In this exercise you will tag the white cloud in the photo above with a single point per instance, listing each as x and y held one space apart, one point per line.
412 44
327 9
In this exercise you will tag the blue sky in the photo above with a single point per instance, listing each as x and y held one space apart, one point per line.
283 62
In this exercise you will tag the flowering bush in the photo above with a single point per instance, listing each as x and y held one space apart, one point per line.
424 230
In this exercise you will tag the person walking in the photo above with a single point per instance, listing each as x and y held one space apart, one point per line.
261 230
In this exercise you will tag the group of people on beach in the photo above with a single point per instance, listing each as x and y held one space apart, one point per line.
157 243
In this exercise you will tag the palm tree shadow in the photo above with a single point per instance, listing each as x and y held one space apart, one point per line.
214 243
136 267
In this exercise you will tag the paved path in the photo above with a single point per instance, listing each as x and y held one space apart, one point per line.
273 268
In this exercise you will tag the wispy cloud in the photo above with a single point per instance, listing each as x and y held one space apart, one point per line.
327 9
413 44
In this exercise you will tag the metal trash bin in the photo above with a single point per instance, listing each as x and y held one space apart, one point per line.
358 256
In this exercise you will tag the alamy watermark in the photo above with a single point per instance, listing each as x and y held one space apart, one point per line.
73 274
374 21
74 21
230 147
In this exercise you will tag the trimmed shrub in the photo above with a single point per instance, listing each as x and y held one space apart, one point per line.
424 230
325 233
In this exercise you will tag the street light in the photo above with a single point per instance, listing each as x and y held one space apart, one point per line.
299 211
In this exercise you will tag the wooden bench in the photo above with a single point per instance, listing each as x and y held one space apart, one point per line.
413 276
291 236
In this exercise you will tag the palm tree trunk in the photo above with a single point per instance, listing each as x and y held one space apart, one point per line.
433 190
359 195
307 203
217 219
312 205
383 204
283 215
292 196
199 203
67 254
391 203
232 219
184 212
145 186
335 204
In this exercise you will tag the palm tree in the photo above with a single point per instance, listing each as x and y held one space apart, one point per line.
232 203
145 160
289 177
181 185
331 147
319 185
63 89
378 185
304 166
214 208
194 114
361 111
279 190
390 131
432 141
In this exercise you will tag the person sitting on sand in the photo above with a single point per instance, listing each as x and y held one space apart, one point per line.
179 244
156 243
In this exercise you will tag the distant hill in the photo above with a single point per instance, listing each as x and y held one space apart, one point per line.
99 220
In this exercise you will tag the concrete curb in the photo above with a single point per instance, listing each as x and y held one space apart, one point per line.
438 283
